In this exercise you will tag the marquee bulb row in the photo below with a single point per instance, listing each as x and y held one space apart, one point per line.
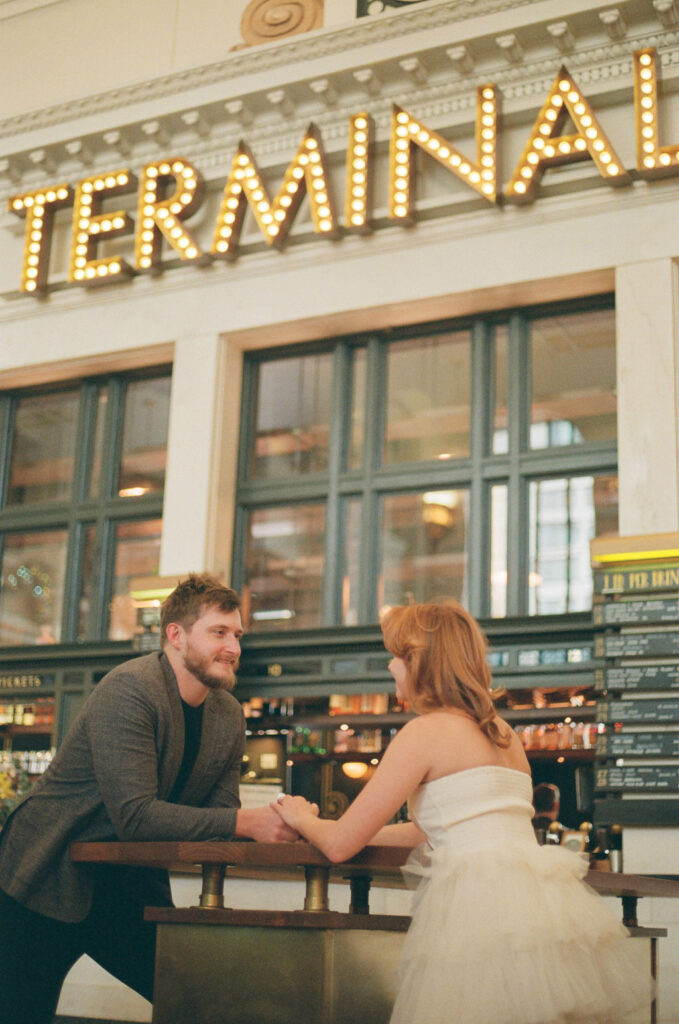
169 191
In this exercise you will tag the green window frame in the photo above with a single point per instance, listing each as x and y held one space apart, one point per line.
95 520
514 465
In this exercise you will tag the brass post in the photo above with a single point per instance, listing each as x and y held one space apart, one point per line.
316 897
212 893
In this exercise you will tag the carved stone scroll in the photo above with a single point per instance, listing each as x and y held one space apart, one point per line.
265 21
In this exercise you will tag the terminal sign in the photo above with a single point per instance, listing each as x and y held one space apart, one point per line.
566 131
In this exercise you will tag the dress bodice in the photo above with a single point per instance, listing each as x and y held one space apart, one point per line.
485 804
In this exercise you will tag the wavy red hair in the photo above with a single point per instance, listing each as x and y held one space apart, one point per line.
445 654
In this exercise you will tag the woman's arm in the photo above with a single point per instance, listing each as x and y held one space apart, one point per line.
406 833
403 766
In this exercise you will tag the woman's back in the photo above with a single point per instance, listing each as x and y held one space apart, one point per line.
455 743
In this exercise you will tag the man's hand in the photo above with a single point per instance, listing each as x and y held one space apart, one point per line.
263 825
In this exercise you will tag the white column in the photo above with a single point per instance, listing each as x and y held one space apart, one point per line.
204 404
647 332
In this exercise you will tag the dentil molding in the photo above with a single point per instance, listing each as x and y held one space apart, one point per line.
444 99
311 46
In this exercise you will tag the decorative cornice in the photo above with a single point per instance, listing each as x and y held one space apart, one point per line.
448 104
311 46
209 134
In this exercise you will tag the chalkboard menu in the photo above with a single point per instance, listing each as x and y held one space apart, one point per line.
636 619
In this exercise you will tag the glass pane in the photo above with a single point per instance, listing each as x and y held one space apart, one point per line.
424 546
137 553
88 584
498 550
500 442
144 450
573 368
98 442
284 566
292 425
352 548
32 587
565 514
357 409
43 450
428 398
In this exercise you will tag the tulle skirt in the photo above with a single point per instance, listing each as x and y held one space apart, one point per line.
511 934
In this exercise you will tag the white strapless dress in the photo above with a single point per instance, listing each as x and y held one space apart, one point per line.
505 931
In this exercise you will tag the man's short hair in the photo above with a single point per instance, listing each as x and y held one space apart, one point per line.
191 597
545 797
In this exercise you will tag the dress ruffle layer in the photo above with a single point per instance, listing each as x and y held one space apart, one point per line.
506 932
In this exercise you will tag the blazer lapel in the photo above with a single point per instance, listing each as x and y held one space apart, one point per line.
169 764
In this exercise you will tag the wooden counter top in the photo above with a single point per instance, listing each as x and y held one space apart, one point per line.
244 854
373 862
372 859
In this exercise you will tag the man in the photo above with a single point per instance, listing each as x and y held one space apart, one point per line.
546 803
155 754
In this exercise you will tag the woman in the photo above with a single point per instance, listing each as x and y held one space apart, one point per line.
503 930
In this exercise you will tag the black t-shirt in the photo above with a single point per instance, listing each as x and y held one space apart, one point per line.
193 721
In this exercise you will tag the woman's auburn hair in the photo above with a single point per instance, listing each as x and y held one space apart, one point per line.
445 654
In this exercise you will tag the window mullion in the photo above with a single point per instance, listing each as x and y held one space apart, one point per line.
337 447
374 419
518 416
478 546
104 553
74 568
85 430
6 430
248 413
112 441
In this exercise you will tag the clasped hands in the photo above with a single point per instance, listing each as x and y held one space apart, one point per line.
293 809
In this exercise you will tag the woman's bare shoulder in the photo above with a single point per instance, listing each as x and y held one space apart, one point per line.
440 721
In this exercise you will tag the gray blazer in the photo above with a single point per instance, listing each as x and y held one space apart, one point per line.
111 778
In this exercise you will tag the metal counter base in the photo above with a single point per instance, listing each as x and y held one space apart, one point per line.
257 967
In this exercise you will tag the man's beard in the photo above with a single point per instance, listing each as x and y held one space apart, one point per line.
200 667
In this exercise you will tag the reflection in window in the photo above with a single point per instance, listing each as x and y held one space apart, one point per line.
565 514
428 398
87 584
292 426
137 553
573 371
357 433
32 587
423 546
98 442
147 413
498 550
284 565
43 448
352 548
500 442
404 428
82 447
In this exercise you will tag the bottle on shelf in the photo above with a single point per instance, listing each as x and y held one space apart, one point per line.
600 857
615 847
